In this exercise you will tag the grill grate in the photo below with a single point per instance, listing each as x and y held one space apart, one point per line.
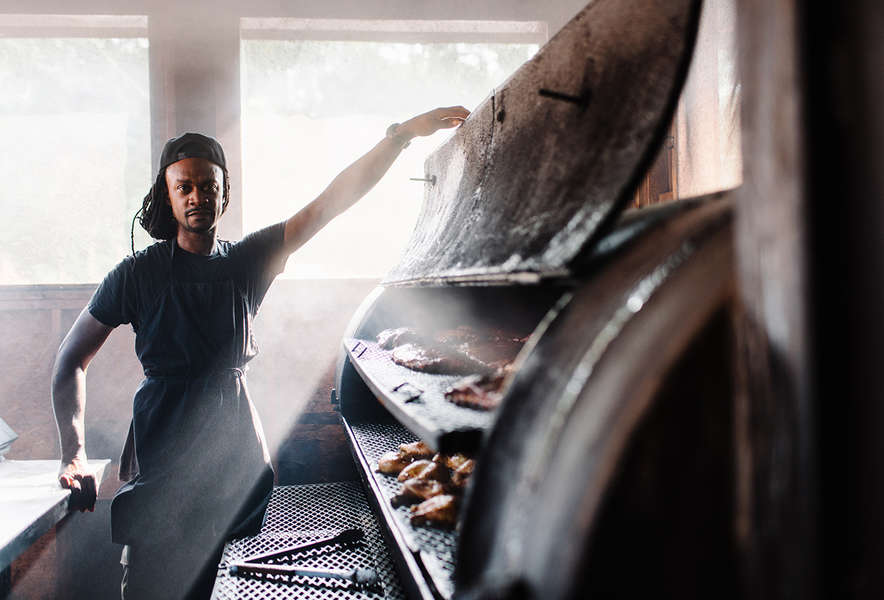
436 546
304 513
430 415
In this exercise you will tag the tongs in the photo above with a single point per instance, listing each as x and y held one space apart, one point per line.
255 564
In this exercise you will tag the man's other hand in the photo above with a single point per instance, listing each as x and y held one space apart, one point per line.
80 479
434 120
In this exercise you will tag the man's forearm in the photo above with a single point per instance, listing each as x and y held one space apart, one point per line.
357 179
344 191
68 404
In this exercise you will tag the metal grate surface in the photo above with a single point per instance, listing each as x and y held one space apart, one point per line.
304 513
416 399
436 547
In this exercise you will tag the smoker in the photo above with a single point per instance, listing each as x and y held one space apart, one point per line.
607 466
610 454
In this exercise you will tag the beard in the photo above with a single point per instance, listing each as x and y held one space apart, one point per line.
199 222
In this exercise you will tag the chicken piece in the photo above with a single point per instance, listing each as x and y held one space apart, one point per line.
462 474
440 360
414 469
417 490
440 511
424 469
416 450
390 338
393 462
454 461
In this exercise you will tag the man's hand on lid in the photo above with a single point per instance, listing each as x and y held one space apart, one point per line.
430 122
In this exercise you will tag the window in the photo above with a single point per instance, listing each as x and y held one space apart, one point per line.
75 146
312 106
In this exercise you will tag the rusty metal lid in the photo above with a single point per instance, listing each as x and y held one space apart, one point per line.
544 165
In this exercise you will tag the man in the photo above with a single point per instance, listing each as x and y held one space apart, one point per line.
202 465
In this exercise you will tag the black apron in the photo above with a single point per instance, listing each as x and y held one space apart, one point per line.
203 471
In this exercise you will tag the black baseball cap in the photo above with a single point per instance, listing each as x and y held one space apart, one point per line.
192 145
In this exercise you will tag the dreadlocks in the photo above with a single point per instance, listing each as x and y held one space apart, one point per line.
155 214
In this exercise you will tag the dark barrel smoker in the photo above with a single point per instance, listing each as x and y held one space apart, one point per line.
607 468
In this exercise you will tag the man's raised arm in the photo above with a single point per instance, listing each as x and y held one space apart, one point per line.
69 404
357 179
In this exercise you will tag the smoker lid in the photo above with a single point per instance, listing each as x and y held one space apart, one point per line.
544 165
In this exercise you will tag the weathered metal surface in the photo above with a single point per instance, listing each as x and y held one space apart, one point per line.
572 408
544 164
668 511
31 502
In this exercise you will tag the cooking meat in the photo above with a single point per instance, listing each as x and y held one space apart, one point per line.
506 336
494 353
424 469
459 351
458 335
414 469
462 474
417 490
454 461
424 479
476 391
393 462
390 338
416 450
440 360
440 511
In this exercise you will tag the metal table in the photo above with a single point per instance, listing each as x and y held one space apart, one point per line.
31 503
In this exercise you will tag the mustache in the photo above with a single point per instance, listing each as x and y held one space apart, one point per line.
193 211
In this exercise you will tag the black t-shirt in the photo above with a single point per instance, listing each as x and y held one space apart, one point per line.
134 290
192 416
